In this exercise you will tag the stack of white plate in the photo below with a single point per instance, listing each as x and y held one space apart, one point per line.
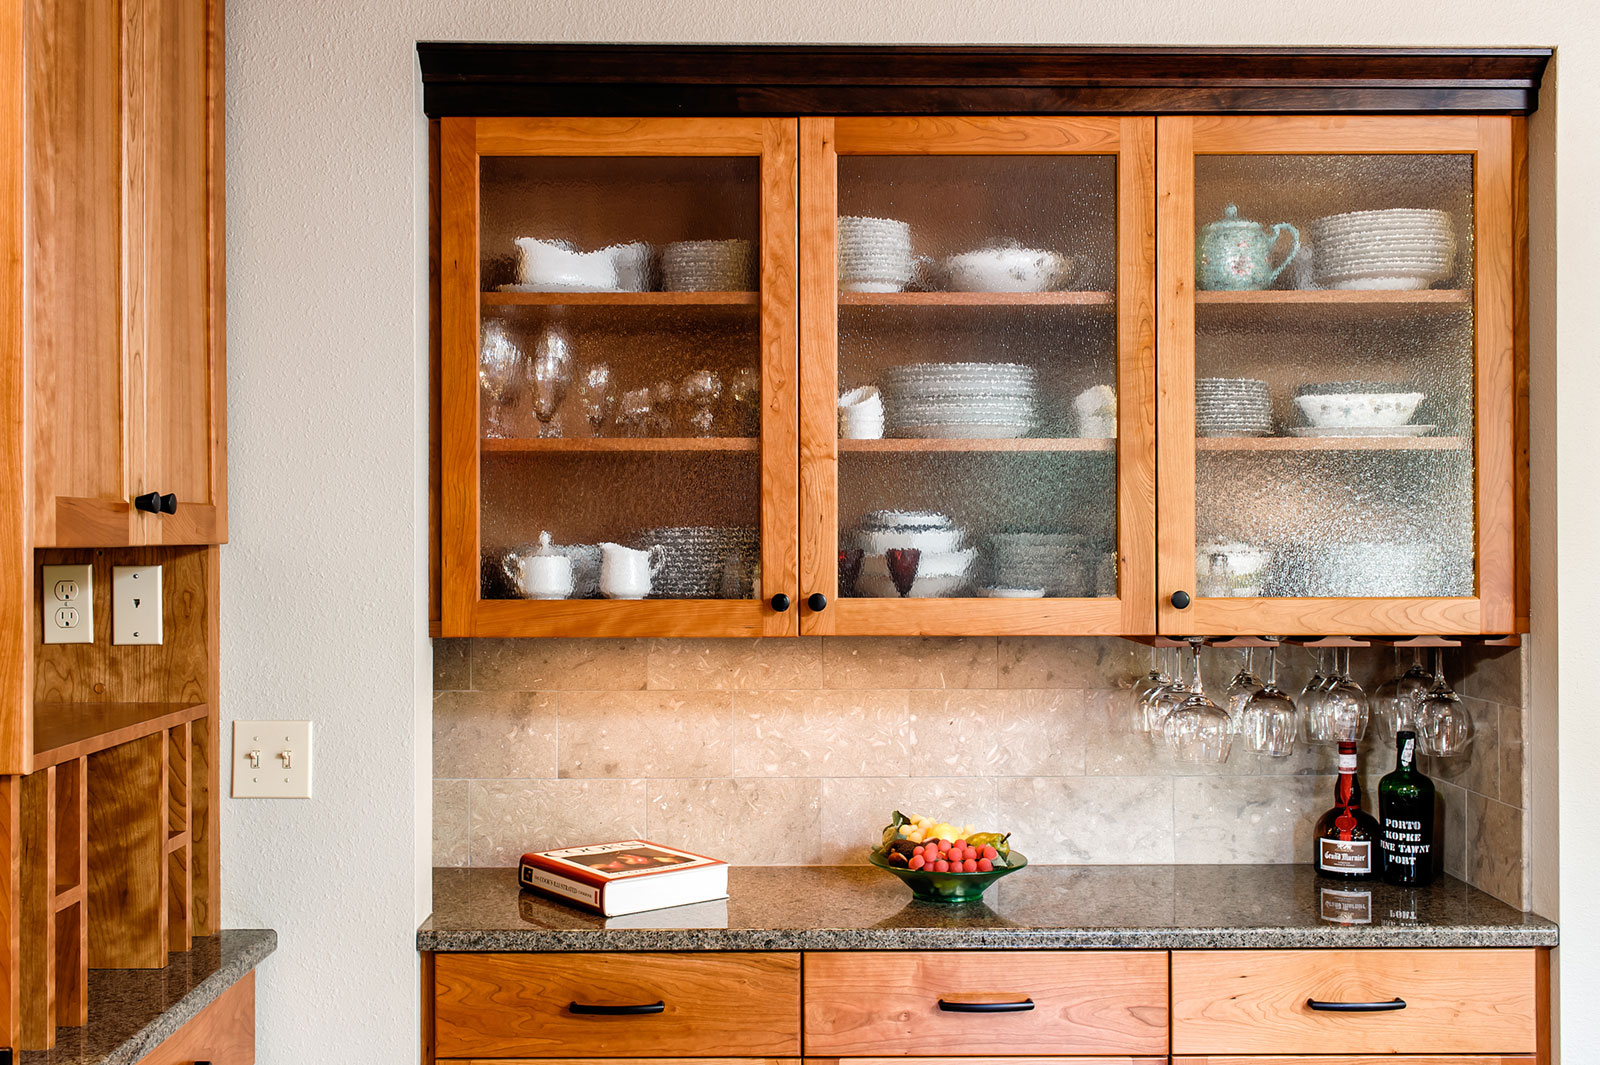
874 254
961 400
924 530
708 266
1232 406
1059 564
1400 248
942 566
701 562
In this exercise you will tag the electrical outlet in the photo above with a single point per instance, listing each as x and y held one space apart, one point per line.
135 604
272 759
68 604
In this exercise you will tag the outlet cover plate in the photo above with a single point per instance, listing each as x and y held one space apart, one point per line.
68 604
135 604
267 743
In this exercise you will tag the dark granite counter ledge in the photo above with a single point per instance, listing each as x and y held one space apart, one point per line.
132 1010
1158 907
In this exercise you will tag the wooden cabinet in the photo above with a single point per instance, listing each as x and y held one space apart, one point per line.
122 286
224 1033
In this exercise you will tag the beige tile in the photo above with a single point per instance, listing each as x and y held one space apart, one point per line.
1070 661
1493 674
1479 769
494 734
821 733
1452 833
1494 849
1227 820
1513 785
1089 820
768 664
1006 732
908 662
746 822
855 811
569 665
645 734
512 817
450 823
452 665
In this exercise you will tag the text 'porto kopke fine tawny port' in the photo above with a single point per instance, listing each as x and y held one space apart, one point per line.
1346 839
1405 814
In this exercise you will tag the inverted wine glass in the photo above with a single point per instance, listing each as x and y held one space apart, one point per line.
1146 685
1268 723
1198 731
1242 688
1397 701
1446 729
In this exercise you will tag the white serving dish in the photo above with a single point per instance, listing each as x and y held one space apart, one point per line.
1359 410
948 564
928 541
921 588
1008 270
556 266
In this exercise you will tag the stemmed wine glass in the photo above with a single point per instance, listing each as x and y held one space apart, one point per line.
1311 694
1268 721
502 374
1164 700
1396 701
633 417
598 393
1242 688
699 390
552 373
1198 732
1443 719
1340 714
744 397
1146 686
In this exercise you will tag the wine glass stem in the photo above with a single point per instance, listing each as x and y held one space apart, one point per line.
1272 667
1199 685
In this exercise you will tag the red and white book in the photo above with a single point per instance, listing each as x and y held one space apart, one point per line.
624 877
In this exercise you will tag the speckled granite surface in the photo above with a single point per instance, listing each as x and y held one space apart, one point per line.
132 1010
1159 907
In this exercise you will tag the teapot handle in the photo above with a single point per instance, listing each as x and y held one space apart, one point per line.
505 564
658 558
1294 233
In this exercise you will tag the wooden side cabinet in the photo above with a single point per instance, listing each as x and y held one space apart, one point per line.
224 1033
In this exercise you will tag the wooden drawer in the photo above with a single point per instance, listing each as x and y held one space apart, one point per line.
224 1033
1256 1001
889 1003
521 1005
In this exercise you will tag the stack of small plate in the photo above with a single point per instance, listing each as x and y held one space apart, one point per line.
874 254
1232 406
708 266
1399 248
961 400
1058 563
701 562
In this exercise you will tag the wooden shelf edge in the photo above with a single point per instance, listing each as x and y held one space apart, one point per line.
620 299
976 299
1332 443
559 445
898 444
64 731
1268 297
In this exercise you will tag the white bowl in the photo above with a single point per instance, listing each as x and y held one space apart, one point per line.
1359 410
928 541
556 266
1011 593
1008 270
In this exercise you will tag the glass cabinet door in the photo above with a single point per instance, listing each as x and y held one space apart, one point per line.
617 376
1335 368
976 424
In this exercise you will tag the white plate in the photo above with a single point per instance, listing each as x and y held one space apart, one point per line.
1366 430
962 432
1011 593
1382 284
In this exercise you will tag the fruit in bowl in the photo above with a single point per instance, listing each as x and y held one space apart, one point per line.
941 862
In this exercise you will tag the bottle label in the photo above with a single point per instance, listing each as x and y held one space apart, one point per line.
1344 855
1405 847
1346 907
1408 754
1347 762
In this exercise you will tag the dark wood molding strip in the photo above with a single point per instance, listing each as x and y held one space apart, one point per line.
645 80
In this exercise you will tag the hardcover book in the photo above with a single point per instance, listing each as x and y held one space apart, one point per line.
624 877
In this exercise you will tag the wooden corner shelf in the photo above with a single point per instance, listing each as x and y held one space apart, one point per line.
617 444
621 299
896 445
976 299
64 731
1332 443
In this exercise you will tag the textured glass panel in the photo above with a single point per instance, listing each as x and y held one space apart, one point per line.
977 367
1334 386
620 376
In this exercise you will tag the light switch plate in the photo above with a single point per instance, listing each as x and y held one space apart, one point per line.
272 759
135 604
68 604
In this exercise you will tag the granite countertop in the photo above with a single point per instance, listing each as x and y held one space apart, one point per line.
1157 907
132 1010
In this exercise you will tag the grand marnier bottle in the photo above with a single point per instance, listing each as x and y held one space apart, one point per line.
1346 839
1405 817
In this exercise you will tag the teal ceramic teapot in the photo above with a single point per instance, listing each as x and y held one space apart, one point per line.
1235 254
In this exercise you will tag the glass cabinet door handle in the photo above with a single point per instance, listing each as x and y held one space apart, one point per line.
986 1007
780 602
634 1010
817 602
1356 1007
1180 599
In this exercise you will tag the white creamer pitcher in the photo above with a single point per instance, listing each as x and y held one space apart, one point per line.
626 573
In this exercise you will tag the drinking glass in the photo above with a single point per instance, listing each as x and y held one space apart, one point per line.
744 399
1268 721
699 391
1198 732
1443 719
1242 688
662 397
1341 714
1146 686
633 416
502 374
597 391
1396 701
551 375
1166 699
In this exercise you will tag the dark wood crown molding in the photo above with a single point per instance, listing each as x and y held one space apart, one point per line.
645 80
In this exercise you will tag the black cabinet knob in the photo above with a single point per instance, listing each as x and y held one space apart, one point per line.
817 602
169 503
780 602
150 502
1180 599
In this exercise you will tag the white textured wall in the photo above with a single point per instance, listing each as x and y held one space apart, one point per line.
323 612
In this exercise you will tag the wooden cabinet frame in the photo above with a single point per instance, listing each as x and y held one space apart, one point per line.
1489 141
463 141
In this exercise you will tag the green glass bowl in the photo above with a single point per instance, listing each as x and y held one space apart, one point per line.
929 886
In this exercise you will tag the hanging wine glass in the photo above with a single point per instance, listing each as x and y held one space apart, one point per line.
1340 714
1396 701
1165 700
1145 686
1268 722
1445 723
1198 731
1242 688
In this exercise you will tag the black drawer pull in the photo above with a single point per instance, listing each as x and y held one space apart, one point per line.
986 1007
637 1010
1356 1007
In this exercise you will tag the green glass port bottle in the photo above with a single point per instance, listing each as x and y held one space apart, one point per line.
1346 839
1405 816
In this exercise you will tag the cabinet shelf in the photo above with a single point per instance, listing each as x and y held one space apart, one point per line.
1018 444
975 299
618 444
1332 443
621 299
63 731
1294 308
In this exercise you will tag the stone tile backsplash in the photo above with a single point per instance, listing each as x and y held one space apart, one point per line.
769 751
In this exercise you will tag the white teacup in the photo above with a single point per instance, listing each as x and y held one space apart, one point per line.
626 573
541 576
